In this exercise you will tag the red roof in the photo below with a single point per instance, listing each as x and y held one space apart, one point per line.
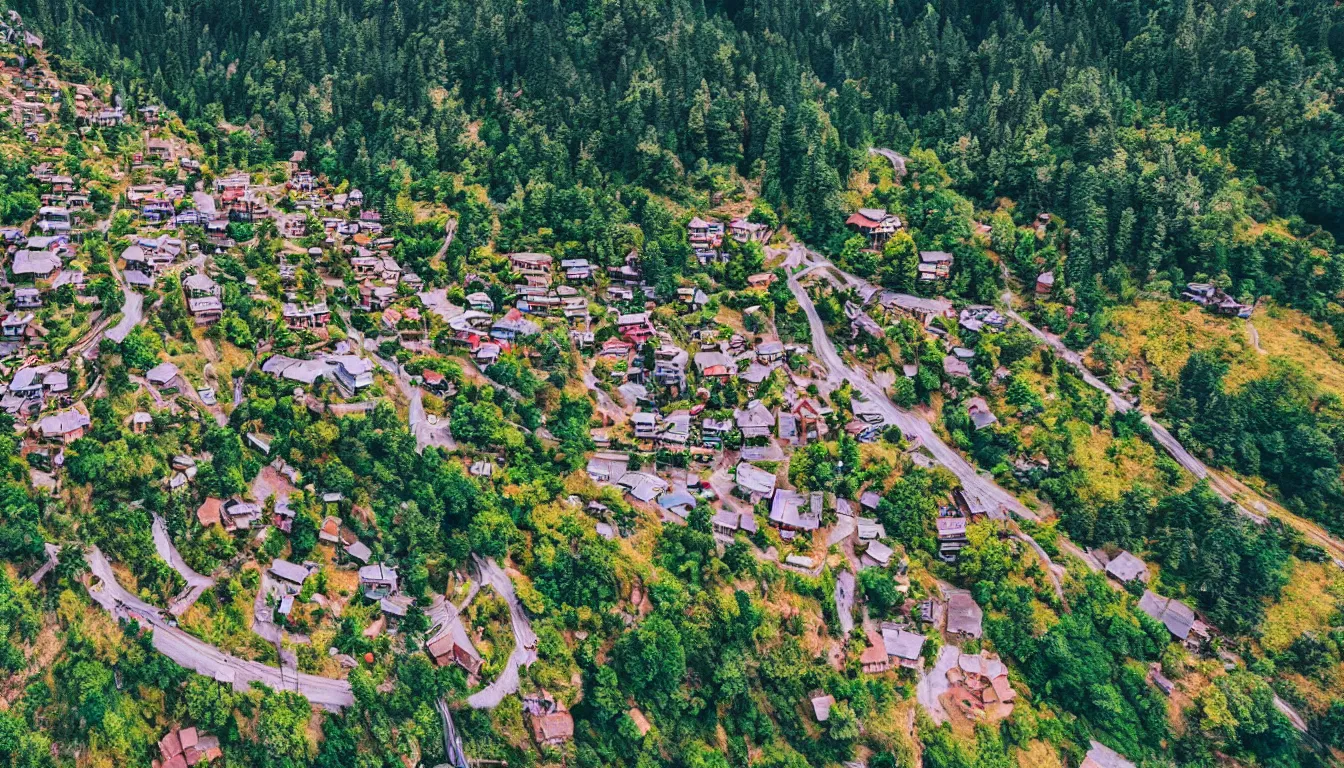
861 221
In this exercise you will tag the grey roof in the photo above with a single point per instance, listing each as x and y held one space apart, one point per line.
964 616
1178 616
36 262
790 508
1126 567
755 479
289 571
62 423
902 643
161 373
1102 756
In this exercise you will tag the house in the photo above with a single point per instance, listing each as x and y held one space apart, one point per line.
353 373
65 426
956 368
288 572
377 580
552 728
951 536
727 523
1101 756
981 416
1045 283
35 265
744 231
635 327
1215 298
902 645
754 421
645 425
27 298
921 309
576 269
964 616
1179 618
669 366
979 683
445 650
187 747
770 351
300 316
704 235
1125 568
642 486
821 706
531 263
875 224
238 515
608 466
480 301
874 659
792 511
934 265
162 374
513 326
877 555
753 482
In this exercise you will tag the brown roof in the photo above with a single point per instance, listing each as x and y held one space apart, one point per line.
187 736
178 761
441 649
208 513
170 746
1003 689
641 722
876 652
552 728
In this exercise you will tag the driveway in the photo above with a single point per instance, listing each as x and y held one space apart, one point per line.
844 600
196 583
933 683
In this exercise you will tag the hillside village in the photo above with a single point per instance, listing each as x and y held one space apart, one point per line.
237 323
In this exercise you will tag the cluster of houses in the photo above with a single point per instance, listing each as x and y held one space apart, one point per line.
1216 299
707 237
182 747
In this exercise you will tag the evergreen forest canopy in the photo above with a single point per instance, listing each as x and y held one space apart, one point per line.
1159 131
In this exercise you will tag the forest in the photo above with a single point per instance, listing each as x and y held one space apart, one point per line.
1160 132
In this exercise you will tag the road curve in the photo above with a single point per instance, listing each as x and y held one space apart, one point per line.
205 659
196 582
524 639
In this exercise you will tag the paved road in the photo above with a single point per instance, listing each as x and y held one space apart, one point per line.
933 683
524 639
196 583
897 160
1255 337
991 496
426 434
203 658
132 308
999 503
844 600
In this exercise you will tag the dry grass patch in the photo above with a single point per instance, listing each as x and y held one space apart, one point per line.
1038 754
1308 603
